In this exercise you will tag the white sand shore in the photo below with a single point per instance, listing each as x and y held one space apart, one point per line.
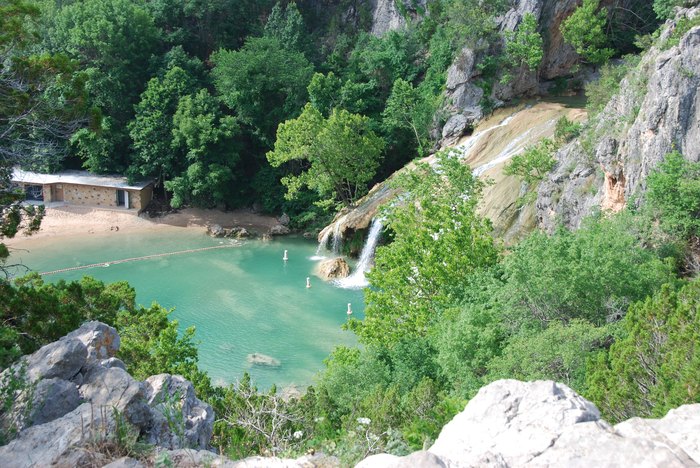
71 221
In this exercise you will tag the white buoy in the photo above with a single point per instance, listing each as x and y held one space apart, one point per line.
285 258
308 282
349 309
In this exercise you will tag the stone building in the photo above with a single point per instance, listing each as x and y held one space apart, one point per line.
84 188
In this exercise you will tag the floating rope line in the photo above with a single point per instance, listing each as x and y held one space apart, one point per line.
134 259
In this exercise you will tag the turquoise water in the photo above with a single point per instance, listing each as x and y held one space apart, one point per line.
242 299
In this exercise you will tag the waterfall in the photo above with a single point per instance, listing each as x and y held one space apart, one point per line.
337 239
322 245
357 279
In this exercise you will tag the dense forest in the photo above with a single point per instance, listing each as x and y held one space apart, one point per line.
297 108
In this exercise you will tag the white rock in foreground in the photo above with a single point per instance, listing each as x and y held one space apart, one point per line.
545 424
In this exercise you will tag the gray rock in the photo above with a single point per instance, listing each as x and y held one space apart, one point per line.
47 444
279 230
113 362
101 340
125 462
455 127
61 359
114 388
215 230
180 419
284 219
387 17
263 360
51 399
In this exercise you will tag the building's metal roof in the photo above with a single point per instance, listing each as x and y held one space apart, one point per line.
76 178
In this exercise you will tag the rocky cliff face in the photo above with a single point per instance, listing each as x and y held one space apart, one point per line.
76 393
386 15
540 424
463 95
656 110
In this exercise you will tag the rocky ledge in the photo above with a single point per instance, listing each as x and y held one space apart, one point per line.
75 395
541 424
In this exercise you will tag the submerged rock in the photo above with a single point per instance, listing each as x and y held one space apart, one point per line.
333 268
263 360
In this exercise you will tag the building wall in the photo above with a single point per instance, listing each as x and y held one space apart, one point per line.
89 195
139 199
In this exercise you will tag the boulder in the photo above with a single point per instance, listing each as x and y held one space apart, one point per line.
101 340
515 419
284 219
60 431
279 230
115 388
333 268
263 360
215 230
61 359
544 423
180 419
51 399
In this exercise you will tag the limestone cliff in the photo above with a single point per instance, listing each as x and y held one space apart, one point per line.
656 110
386 15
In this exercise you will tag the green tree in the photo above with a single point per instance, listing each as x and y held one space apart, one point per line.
585 31
655 364
664 8
264 83
113 40
41 105
152 128
204 133
439 241
523 47
534 163
673 194
559 353
338 155
408 109
287 26
593 274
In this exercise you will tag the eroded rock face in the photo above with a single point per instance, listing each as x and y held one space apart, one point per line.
279 230
236 232
77 390
387 17
333 268
537 424
656 110
463 94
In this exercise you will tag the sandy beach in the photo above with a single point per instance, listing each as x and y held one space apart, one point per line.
71 221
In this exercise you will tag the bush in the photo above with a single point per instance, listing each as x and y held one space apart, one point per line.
655 365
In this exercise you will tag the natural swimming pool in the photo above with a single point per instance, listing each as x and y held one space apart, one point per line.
242 300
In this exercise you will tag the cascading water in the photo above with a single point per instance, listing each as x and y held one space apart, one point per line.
337 239
357 279
322 246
